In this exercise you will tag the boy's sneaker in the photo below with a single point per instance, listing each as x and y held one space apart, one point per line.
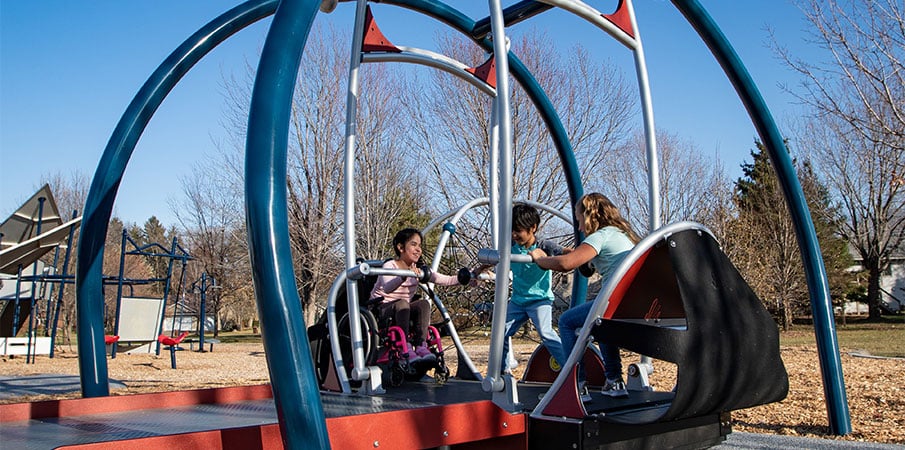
614 388
583 392
422 353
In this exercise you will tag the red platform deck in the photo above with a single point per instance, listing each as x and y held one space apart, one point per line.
457 414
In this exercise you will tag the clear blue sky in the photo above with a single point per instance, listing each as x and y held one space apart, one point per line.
69 69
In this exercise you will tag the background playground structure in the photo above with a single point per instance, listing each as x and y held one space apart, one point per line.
35 259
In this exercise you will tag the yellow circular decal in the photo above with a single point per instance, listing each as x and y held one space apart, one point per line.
554 365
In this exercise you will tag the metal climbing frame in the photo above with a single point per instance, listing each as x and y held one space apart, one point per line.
152 250
266 204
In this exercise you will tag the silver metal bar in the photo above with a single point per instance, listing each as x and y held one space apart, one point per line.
603 300
431 59
596 17
493 178
493 382
333 330
358 358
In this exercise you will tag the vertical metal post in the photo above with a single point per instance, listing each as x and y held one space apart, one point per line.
18 297
494 175
56 313
650 133
494 382
354 86
202 311
119 289
49 306
29 356
166 290
180 299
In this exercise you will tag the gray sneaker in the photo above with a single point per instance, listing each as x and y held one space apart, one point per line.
614 388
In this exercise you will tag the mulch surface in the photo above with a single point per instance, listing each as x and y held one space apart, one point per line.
875 386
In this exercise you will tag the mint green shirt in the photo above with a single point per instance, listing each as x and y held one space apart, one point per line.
611 245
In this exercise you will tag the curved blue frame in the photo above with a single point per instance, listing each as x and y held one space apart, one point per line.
818 285
109 173
293 380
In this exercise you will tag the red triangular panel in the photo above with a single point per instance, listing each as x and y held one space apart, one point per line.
621 19
374 40
486 72
566 402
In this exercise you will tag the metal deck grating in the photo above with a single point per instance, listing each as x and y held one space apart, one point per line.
53 432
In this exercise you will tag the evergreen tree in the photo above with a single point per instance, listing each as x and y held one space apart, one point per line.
764 244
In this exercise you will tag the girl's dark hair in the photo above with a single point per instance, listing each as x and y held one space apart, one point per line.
524 216
403 236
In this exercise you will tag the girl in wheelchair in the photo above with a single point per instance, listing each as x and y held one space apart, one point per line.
395 297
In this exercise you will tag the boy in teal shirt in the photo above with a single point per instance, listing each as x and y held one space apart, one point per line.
532 287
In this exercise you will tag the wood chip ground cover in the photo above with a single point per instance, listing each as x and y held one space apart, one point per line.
875 387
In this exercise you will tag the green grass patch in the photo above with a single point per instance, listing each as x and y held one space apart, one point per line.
238 337
884 338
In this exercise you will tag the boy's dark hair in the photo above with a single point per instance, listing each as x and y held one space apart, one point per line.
524 217
402 237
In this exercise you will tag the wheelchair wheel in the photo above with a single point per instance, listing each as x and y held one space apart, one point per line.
397 375
441 374
369 340
320 351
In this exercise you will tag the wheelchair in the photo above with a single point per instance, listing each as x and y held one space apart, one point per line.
384 344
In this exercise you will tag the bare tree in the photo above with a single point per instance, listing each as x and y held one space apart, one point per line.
389 187
862 83
384 183
693 186
855 134
451 121
211 214
70 191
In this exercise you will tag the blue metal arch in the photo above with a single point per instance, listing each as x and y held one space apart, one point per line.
818 285
821 304
295 389
109 173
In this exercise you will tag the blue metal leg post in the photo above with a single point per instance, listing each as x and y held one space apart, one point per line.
295 389
821 304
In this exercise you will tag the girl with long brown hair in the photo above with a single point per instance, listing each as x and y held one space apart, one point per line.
609 237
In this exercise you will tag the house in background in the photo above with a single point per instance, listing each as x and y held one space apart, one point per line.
892 283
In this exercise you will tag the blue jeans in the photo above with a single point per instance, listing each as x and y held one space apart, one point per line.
571 321
541 314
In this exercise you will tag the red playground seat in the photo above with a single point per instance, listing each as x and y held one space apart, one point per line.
111 341
172 344
171 341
